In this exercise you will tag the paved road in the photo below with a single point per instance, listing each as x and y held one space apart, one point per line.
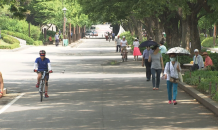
92 94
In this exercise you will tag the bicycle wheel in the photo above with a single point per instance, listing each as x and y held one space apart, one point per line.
41 90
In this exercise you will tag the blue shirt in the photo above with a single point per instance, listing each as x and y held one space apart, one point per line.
146 53
42 64
163 49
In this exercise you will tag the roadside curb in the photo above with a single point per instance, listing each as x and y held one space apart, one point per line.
200 97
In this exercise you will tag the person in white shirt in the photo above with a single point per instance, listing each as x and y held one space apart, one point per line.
136 51
123 44
198 62
171 72
117 42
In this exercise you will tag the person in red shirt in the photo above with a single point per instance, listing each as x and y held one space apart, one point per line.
208 60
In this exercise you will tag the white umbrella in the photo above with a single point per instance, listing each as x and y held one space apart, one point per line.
178 51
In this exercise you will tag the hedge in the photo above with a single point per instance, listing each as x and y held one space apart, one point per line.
20 26
38 43
12 42
204 80
29 40
208 42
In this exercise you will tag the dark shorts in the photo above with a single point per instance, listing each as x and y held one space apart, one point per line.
46 76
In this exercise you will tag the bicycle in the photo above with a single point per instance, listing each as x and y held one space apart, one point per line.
124 55
42 83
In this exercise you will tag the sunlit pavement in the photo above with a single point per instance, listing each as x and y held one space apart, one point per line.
93 93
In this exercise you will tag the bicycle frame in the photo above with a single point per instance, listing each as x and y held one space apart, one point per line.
42 83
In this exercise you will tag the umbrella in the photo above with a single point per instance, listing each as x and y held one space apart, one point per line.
148 43
178 51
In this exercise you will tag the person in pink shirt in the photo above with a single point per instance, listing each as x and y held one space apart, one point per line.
208 60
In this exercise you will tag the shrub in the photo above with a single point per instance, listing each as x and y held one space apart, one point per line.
182 59
207 78
29 40
20 26
38 43
12 42
208 42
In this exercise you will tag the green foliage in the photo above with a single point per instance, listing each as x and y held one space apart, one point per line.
38 43
208 42
29 40
19 26
12 42
182 59
207 79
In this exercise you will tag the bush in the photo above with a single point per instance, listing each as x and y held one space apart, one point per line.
38 43
20 26
182 59
207 78
29 40
208 42
12 42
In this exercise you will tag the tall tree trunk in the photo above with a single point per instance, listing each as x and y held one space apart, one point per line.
186 34
158 30
194 34
149 24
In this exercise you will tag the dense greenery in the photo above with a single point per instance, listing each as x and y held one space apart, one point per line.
208 42
207 78
20 26
29 40
12 42
181 20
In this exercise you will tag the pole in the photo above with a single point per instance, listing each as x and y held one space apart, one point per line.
29 29
214 35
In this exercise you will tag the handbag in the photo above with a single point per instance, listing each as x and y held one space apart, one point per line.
172 79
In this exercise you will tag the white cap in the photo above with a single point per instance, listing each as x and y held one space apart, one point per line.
196 50
124 37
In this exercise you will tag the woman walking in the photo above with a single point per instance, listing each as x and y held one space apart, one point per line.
156 66
136 51
171 75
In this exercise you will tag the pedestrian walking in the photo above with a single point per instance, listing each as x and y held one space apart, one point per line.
156 66
136 51
162 48
198 61
56 39
171 72
145 62
117 42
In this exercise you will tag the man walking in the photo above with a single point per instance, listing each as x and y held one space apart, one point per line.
145 62
117 42
56 39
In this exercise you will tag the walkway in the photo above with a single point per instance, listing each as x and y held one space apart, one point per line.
92 94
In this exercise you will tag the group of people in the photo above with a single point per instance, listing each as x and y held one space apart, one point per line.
153 60
198 63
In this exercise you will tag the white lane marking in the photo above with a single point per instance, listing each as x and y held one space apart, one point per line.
11 103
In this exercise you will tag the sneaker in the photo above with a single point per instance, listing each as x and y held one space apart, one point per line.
148 79
46 95
174 102
170 102
37 85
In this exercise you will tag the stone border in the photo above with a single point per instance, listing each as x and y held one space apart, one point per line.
200 97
